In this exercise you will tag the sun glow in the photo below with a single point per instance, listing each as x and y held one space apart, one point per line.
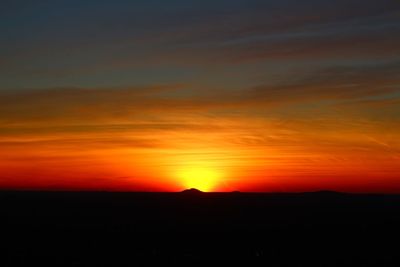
201 178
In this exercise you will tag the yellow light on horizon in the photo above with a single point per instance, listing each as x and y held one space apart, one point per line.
201 178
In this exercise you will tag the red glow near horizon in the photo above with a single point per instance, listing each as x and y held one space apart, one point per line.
206 161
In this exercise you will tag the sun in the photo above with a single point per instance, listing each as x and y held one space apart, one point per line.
201 178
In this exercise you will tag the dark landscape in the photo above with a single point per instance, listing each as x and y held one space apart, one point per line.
199 229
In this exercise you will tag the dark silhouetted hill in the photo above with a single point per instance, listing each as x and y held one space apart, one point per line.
191 191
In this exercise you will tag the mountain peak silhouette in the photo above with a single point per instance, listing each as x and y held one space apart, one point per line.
192 191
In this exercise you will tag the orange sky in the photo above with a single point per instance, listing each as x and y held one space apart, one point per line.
167 144
247 95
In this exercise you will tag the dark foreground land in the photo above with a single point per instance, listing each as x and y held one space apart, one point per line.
195 229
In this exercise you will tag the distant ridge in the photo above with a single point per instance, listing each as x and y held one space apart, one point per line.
192 191
325 192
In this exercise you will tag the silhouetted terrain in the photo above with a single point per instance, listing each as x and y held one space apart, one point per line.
194 228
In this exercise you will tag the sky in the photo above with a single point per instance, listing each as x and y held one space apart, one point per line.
221 95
